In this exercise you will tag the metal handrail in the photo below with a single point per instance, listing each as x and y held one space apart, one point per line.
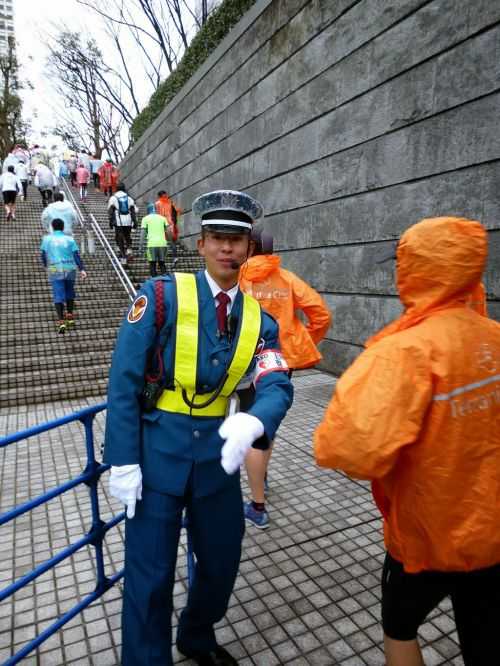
95 536
70 196
115 262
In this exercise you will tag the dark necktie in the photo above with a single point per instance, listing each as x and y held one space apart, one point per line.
221 311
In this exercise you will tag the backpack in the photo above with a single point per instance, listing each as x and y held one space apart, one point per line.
123 205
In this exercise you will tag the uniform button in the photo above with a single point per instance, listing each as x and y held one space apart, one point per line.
196 434
215 361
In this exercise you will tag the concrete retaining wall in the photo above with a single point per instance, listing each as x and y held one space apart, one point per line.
349 120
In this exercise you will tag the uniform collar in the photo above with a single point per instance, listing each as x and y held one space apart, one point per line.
207 290
215 289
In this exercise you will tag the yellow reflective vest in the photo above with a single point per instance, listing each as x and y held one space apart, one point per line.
186 354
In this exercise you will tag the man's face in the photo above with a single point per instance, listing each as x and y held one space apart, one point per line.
221 251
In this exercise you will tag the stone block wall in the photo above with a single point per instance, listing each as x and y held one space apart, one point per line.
349 120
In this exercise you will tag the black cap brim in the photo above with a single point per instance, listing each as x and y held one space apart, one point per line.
226 229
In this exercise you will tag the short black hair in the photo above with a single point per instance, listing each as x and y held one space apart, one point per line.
122 187
57 224
11 169
58 196
161 193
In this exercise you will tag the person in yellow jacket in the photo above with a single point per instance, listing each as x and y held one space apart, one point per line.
281 293
418 414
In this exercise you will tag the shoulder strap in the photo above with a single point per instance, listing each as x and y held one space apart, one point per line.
154 370
159 306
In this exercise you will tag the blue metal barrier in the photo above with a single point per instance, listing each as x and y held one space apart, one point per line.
94 537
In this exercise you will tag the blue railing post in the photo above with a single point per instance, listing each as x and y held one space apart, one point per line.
95 536
90 476
97 529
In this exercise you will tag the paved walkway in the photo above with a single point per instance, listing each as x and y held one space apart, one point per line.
308 589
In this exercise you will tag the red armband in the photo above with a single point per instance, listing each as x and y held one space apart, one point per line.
268 360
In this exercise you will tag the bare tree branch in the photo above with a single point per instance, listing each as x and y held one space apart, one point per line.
128 24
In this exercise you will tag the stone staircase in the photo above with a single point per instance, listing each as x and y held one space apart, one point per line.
138 268
37 364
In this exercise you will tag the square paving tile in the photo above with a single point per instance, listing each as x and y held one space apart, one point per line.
308 588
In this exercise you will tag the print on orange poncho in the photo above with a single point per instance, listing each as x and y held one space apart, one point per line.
418 412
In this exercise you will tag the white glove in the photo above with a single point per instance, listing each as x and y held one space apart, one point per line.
125 483
240 431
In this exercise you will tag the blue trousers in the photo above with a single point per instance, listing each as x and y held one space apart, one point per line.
63 290
216 525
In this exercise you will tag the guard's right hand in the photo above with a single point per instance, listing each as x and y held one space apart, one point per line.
125 483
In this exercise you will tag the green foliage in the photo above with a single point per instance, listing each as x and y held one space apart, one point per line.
206 40
13 128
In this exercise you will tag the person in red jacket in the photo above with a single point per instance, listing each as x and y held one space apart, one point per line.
418 414
166 207
109 176
281 293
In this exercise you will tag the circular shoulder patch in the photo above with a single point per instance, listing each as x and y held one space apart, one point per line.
138 309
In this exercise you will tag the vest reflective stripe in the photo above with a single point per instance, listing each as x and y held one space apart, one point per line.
186 352
172 401
246 345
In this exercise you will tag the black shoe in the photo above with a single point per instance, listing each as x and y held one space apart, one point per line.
217 657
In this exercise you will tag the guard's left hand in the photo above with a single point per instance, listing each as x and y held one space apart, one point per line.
240 431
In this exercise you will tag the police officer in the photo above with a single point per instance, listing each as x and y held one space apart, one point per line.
186 451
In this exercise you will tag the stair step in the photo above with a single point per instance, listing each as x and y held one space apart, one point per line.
36 378
68 347
35 317
85 308
67 390
50 336
27 362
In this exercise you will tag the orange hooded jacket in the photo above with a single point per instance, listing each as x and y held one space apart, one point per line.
418 412
109 176
281 292
165 206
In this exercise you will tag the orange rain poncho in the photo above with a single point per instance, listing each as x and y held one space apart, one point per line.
109 176
281 292
418 412
165 206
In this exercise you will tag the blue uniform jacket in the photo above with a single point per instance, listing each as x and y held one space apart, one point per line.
170 447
